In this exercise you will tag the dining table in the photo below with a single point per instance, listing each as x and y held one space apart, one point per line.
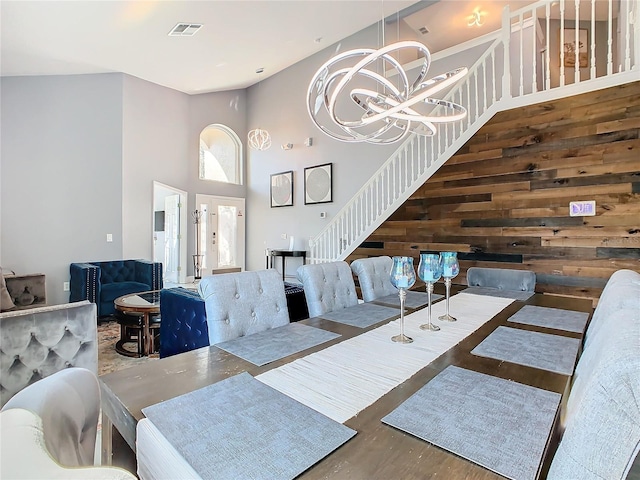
380 447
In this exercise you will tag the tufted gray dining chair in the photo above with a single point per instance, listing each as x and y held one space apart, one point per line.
327 287
373 277
502 279
243 303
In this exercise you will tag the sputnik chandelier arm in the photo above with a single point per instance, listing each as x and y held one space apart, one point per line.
391 111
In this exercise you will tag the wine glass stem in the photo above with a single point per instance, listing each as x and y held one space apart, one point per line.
403 295
447 283
429 290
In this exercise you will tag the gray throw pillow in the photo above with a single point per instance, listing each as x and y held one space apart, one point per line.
5 299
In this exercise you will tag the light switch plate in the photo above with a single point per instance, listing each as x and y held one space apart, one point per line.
585 208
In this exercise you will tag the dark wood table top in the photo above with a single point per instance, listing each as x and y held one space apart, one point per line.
378 450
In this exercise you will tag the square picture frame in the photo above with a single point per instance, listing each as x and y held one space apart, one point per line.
281 189
571 52
318 184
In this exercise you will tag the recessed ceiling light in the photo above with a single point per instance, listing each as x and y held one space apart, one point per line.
185 29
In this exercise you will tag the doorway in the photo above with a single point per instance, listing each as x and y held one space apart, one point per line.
222 230
169 232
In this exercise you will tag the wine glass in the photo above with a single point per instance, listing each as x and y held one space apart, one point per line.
403 276
430 271
450 269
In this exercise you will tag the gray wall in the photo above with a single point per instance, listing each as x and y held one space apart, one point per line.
155 130
278 104
78 160
80 154
61 174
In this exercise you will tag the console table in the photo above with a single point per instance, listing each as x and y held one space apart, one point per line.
287 253
27 291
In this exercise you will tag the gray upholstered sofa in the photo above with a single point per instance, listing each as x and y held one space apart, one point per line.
602 419
38 342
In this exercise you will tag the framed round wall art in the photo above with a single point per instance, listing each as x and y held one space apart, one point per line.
318 184
282 189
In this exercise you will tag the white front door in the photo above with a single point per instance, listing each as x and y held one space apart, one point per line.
222 230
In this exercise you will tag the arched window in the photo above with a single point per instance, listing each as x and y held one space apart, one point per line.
220 155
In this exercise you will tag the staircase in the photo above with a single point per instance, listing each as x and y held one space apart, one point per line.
528 74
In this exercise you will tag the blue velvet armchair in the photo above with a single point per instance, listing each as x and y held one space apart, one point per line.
103 282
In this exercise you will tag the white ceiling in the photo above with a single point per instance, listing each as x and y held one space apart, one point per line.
59 37
89 36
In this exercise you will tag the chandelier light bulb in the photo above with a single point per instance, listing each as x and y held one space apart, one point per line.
353 103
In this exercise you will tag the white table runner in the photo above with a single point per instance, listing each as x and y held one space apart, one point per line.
345 378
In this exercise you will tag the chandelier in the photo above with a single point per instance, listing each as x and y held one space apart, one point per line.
258 138
354 103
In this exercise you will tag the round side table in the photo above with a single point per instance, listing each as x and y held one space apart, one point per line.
137 310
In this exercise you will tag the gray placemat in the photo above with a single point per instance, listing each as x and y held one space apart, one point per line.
551 318
496 292
414 299
499 424
242 428
533 349
362 315
271 345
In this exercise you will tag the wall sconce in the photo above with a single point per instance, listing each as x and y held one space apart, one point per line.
286 146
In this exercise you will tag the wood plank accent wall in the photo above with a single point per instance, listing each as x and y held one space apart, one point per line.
503 200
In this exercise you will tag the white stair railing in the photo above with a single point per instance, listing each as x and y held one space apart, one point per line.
527 74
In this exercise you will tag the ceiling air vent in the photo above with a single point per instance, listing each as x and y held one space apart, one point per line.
185 29
423 30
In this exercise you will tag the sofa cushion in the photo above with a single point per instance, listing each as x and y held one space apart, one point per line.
111 291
